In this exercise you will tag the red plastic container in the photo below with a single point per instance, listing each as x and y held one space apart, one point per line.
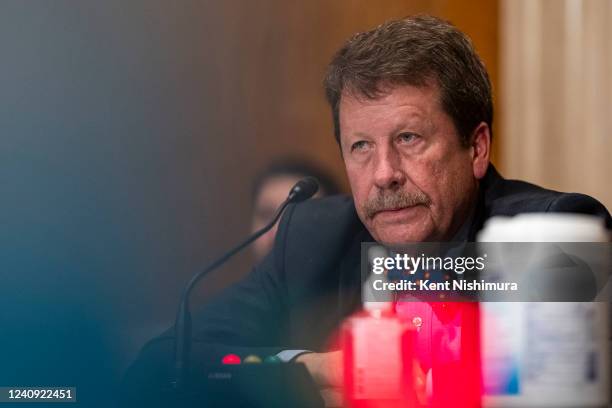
456 365
378 361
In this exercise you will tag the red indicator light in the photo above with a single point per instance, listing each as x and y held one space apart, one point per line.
231 359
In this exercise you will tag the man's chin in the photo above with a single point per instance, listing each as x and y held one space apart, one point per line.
399 235
413 225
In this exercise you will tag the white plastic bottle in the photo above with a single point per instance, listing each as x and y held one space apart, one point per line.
545 354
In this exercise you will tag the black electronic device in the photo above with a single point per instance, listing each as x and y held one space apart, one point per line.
277 385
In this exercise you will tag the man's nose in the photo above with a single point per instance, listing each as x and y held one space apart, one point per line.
389 173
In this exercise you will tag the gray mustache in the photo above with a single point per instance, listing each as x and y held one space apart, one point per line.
393 200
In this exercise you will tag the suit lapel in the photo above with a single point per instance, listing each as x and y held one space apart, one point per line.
349 282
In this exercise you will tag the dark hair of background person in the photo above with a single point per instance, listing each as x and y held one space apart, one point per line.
414 51
298 168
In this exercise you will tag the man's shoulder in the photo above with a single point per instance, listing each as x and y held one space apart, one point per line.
332 216
512 197
315 231
326 209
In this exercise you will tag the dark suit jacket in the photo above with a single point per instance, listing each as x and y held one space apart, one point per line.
297 296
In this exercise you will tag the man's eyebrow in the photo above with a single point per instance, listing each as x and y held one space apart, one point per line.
413 120
358 134
409 120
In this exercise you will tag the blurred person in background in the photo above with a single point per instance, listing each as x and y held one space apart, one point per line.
271 188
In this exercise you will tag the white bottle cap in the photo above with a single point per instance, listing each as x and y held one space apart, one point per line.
545 227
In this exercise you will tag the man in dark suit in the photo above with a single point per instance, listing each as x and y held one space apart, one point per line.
412 111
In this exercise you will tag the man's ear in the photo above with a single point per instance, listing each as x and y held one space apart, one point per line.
481 150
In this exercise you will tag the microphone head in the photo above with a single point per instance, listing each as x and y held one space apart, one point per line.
303 190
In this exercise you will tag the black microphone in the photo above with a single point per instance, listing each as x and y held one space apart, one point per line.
302 190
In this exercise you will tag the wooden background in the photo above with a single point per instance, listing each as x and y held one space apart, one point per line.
131 135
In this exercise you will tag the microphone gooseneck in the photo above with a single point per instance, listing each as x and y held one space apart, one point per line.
301 191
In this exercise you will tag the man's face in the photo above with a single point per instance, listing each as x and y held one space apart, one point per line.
411 178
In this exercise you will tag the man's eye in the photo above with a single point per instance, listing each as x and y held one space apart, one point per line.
407 137
360 145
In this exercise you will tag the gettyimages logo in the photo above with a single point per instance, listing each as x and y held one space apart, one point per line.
491 271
